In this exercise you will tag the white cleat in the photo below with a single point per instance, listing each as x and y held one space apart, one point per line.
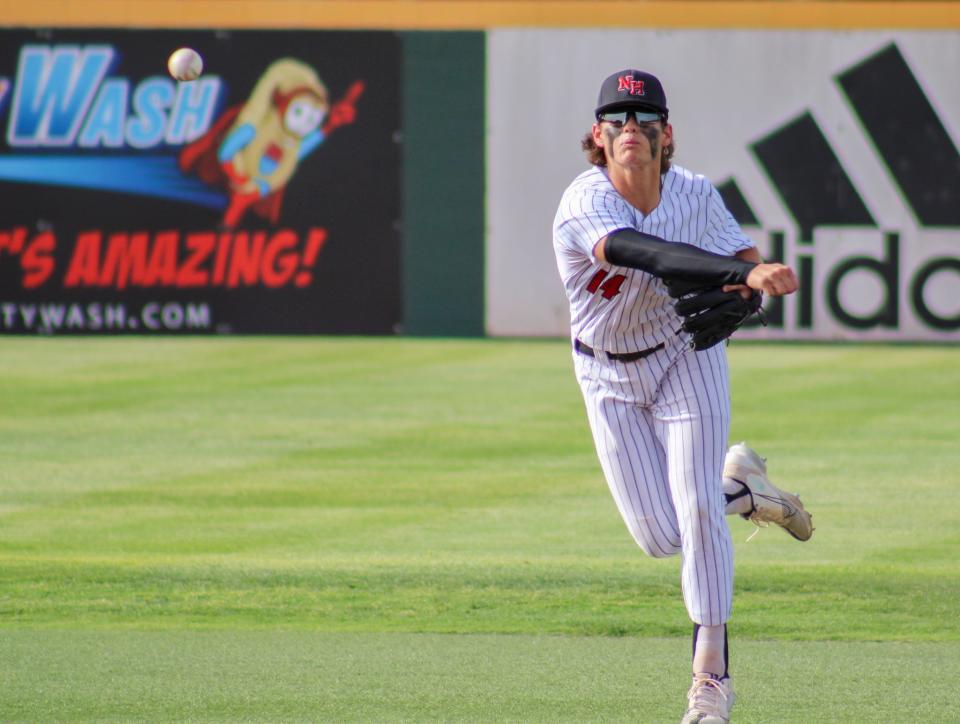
709 701
770 504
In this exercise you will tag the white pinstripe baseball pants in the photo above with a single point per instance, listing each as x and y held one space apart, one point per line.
660 427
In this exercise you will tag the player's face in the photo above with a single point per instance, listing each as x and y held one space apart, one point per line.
632 138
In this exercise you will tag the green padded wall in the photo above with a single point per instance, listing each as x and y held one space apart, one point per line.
444 117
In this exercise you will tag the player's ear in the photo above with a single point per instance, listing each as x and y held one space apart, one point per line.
597 135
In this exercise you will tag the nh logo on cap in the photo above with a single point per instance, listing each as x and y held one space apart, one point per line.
633 87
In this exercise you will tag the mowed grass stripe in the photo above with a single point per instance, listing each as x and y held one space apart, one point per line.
799 603
310 676
448 485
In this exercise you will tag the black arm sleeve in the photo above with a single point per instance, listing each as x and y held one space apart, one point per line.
673 260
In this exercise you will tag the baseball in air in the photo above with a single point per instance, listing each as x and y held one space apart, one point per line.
185 64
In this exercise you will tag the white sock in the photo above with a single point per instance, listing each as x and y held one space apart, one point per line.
709 656
739 501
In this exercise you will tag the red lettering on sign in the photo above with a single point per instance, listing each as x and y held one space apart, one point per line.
37 260
126 260
139 259
279 259
12 242
220 263
314 244
245 262
84 267
199 248
162 267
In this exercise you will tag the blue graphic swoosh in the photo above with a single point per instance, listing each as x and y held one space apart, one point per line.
140 175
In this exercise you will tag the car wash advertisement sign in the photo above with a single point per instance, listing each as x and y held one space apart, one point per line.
262 197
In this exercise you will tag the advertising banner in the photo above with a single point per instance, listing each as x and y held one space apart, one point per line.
262 197
836 151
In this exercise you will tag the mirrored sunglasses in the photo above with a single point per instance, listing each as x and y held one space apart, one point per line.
618 118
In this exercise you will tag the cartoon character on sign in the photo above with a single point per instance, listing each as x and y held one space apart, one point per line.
253 150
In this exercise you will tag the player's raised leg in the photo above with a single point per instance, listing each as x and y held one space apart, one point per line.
745 479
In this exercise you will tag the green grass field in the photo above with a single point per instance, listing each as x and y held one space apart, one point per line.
417 530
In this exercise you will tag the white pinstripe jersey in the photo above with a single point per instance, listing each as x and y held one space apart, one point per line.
614 308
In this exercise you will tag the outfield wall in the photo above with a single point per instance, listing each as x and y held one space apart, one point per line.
875 242
836 151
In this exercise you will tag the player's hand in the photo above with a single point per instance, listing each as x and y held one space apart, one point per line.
745 291
773 279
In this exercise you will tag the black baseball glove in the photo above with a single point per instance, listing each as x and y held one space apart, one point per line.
711 315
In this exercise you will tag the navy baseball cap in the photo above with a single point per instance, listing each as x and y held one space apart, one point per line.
631 89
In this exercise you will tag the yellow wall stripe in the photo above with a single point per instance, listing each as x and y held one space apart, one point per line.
480 14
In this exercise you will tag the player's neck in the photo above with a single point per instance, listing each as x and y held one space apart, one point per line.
639 185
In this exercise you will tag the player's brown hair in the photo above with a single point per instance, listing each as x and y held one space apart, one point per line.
596 156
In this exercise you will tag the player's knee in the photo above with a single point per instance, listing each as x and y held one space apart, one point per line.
660 552
708 513
704 521
653 545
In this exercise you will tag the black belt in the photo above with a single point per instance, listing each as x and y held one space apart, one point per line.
615 356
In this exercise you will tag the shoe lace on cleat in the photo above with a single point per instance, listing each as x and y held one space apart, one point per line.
707 695
757 529
755 516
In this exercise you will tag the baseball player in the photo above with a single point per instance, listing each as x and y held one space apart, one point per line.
658 274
